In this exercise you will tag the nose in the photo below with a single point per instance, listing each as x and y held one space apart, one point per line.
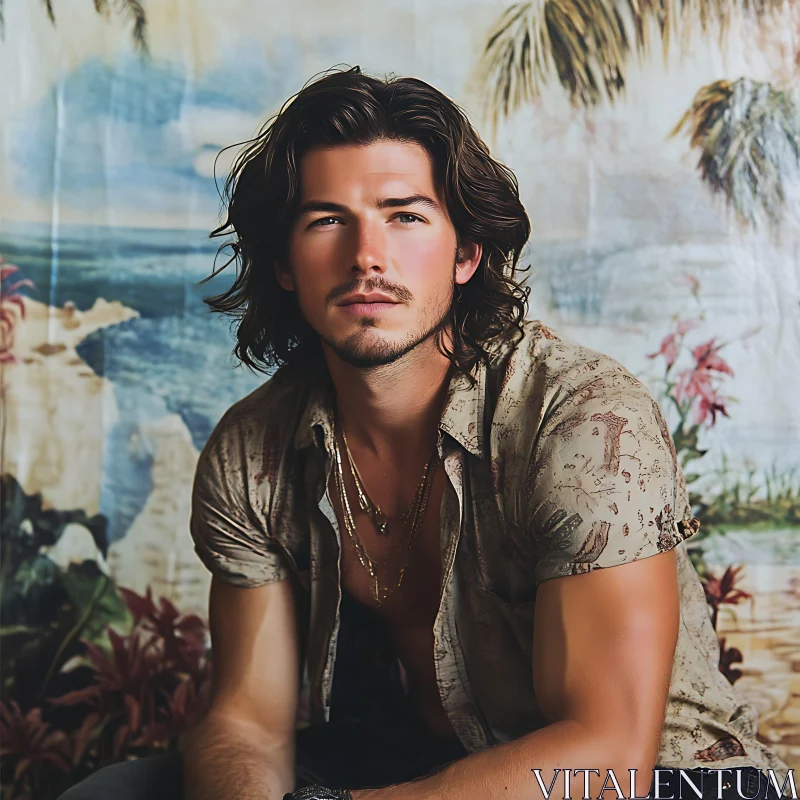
369 246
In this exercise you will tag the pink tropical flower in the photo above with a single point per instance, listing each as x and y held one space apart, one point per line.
671 343
707 357
697 383
709 406
12 308
692 383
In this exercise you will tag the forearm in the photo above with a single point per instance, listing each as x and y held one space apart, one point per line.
223 758
505 771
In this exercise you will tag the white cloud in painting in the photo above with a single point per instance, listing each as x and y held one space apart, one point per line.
141 135
212 134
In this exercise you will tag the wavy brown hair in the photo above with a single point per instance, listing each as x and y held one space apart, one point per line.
348 107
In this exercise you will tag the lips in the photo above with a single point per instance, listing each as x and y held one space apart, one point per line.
369 309
367 299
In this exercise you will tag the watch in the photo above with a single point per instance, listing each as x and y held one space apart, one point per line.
318 793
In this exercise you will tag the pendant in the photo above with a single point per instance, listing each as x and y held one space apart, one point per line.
382 523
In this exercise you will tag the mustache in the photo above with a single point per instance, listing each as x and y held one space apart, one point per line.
394 290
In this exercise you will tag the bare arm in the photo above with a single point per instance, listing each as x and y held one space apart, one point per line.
604 645
244 748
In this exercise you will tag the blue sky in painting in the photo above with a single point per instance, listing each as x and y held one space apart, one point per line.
119 143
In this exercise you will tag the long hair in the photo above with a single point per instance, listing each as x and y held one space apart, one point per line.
348 107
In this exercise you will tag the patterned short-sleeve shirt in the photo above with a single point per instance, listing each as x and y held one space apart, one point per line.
558 462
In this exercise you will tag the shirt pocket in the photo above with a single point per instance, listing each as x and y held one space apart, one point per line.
499 641
518 615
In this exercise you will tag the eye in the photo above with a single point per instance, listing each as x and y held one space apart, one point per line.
414 218
321 219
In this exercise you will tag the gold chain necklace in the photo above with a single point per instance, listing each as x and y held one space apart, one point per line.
370 565
379 519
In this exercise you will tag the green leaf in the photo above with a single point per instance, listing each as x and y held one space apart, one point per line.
107 609
38 571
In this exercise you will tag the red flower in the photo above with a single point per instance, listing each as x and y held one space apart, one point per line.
183 636
12 307
27 739
182 708
123 685
723 591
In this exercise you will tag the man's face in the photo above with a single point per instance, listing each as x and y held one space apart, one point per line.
346 241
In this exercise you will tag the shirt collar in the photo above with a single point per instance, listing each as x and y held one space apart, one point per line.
318 411
462 416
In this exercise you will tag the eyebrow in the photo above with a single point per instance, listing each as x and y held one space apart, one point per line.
383 202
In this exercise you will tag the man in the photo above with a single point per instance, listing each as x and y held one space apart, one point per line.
500 510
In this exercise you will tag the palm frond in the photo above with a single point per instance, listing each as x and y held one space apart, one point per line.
590 46
586 44
748 134
135 10
132 8
517 58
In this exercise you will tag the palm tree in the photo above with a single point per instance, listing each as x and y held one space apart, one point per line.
131 8
747 132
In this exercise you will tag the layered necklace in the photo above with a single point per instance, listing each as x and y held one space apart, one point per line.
414 513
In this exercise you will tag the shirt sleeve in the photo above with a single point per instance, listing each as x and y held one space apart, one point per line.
226 537
604 484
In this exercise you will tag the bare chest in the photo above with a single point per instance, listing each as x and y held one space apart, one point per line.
410 610
417 570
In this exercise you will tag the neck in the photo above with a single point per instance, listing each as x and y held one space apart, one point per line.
393 410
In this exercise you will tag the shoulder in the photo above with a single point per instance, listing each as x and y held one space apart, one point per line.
237 478
598 473
257 428
548 372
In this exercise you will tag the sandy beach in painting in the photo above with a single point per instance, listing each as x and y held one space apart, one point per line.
765 629
58 414
57 410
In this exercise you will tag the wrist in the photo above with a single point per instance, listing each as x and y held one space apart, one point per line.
318 792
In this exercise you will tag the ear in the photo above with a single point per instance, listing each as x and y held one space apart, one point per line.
468 258
285 280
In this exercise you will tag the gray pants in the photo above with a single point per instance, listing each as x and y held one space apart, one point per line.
349 755
159 778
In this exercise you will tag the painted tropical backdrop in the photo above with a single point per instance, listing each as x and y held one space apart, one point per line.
657 147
